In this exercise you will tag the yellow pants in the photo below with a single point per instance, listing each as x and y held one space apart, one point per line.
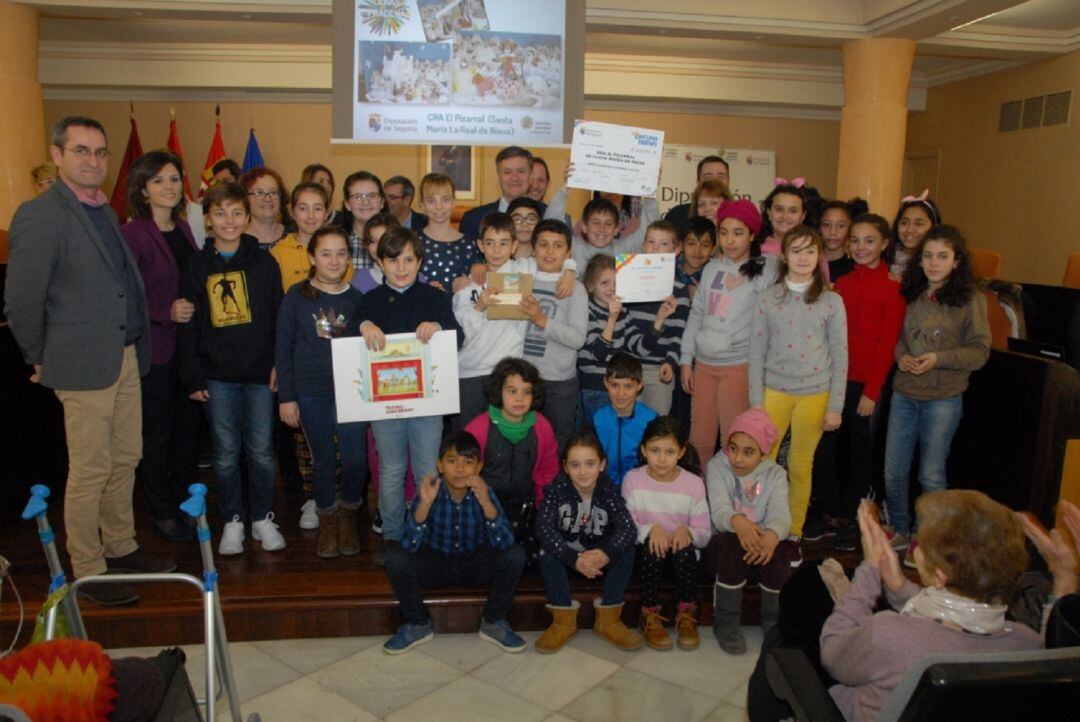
805 415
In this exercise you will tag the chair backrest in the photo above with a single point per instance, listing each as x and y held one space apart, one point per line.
985 263
1039 684
1072 271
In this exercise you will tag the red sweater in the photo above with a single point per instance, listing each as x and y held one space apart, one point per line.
875 315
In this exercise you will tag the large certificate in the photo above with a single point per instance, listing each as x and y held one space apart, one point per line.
405 379
616 158
642 277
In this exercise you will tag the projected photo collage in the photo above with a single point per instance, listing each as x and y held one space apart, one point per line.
464 62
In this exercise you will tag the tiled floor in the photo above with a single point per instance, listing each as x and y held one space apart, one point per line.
460 677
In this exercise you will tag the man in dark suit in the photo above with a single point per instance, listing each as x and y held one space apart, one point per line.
76 305
400 192
711 167
513 165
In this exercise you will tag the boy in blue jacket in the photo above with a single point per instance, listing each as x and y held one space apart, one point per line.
620 423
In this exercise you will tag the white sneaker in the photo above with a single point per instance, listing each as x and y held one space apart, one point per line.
232 538
267 532
308 518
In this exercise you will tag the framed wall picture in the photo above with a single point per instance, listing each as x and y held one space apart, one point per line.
458 162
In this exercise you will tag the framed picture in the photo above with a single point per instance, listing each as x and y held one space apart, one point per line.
458 162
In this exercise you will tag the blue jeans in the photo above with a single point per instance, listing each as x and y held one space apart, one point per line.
242 418
591 401
318 417
931 425
398 441
556 576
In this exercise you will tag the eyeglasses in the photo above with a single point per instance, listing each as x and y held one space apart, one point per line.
526 220
392 197
264 195
82 152
364 197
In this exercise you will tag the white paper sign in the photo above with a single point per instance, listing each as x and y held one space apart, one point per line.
615 158
642 277
751 171
405 379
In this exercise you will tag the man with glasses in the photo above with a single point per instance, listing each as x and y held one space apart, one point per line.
400 192
76 305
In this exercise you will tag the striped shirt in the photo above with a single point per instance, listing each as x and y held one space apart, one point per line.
594 355
457 527
642 316
671 504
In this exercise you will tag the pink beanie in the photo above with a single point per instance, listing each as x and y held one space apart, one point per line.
756 424
742 210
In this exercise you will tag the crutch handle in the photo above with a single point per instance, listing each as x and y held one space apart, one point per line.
37 506
195 506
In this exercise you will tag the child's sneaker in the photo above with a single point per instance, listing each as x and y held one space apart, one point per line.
376 523
909 558
232 537
502 636
308 518
408 636
267 532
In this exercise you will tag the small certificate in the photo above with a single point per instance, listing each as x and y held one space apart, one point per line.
616 158
509 289
643 277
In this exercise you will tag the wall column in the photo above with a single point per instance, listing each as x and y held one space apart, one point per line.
22 123
873 123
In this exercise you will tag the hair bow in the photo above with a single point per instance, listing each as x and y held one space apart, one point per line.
917 199
797 182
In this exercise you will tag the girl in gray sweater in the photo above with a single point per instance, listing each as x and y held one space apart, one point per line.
799 359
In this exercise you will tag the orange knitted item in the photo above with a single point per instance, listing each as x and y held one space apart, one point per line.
66 680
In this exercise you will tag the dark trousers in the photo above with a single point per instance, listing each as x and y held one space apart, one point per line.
561 408
409 572
844 460
732 571
652 569
170 438
556 577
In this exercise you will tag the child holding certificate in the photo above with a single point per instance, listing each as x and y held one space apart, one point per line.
557 326
666 320
403 305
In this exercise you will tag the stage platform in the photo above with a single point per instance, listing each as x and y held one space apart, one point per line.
289 594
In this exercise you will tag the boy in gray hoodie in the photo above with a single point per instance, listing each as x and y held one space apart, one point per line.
748 503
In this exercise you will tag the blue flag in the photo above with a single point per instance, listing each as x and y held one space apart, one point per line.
252 156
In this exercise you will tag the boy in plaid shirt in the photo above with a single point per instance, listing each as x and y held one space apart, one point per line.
456 534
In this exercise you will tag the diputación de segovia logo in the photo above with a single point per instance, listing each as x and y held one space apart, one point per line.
384 17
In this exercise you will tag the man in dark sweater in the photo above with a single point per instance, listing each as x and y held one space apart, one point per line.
227 361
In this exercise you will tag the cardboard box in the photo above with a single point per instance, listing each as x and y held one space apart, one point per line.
509 290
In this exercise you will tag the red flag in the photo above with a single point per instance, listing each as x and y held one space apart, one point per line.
133 151
217 152
174 146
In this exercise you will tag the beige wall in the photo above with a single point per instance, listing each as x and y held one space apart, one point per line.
1015 193
292 135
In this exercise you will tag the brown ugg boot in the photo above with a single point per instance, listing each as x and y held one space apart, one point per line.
686 626
563 627
327 545
609 626
348 536
652 629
